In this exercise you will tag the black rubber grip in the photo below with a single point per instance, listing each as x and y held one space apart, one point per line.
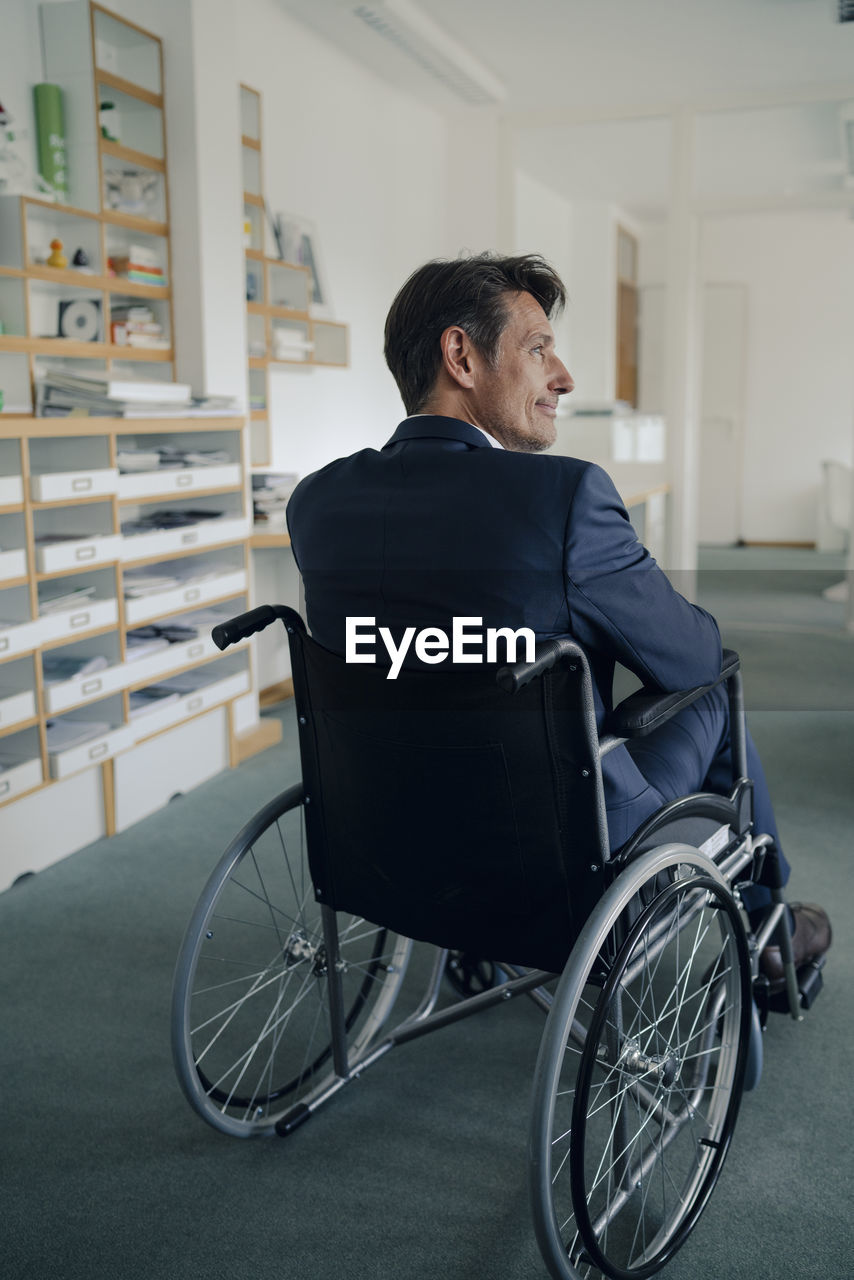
515 677
246 624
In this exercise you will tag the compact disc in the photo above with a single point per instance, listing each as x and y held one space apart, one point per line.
80 320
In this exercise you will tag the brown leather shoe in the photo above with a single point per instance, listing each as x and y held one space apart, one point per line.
810 939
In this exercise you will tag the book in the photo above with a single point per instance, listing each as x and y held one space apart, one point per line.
99 384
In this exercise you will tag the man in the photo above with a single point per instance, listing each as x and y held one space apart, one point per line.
461 515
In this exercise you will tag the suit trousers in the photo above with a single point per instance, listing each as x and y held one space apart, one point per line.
692 752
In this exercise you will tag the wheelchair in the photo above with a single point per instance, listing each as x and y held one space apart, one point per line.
467 811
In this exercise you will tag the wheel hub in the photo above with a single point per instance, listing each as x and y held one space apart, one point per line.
664 1067
299 950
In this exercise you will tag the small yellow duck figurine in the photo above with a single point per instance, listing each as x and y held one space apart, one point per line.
57 258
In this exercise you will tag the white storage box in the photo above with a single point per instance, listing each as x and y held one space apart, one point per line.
227 584
54 486
21 638
146 670
13 564
143 484
15 707
163 542
68 693
20 778
11 491
53 557
191 704
56 626
64 763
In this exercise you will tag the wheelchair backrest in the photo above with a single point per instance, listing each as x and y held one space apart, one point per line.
448 809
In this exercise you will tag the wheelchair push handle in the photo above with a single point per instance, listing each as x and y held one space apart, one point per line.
548 653
246 624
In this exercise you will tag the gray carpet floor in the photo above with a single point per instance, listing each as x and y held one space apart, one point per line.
418 1169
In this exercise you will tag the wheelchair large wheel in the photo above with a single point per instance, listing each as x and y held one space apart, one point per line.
641 1070
250 1002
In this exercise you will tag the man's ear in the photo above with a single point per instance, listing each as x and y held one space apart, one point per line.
457 353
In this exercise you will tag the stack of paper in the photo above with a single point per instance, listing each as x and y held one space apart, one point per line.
59 394
270 494
149 699
168 518
189 681
101 395
58 666
168 457
64 599
142 646
62 735
153 579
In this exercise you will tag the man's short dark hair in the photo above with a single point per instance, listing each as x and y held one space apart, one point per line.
470 292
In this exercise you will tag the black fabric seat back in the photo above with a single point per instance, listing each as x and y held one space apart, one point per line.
447 809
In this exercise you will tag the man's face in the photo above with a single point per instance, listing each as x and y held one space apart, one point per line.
517 400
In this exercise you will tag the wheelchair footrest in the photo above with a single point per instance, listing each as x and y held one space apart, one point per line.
810 983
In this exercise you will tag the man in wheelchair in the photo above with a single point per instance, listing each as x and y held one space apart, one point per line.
499 804
461 515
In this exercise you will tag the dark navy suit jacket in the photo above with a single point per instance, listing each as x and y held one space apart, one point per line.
440 524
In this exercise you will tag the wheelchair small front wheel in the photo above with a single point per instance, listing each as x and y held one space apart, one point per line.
641 1070
250 1000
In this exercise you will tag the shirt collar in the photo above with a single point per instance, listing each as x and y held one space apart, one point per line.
437 426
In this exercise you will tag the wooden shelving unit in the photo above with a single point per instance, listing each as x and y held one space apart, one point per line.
60 476
100 624
281 330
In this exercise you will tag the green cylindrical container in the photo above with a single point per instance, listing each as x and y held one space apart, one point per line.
50 130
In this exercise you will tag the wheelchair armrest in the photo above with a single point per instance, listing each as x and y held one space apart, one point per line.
643 712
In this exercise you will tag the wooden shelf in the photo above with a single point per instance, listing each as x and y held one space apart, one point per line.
13 425
83 500
103 284
177 555
67 347
69 210
254 143
20 726
250 197
101 231
263 541
275 693
128 154
128 87
267 733
89 567
177 493
147 226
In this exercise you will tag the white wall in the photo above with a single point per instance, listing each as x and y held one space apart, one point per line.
592 307
543 224
368 167
799 395
798 269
